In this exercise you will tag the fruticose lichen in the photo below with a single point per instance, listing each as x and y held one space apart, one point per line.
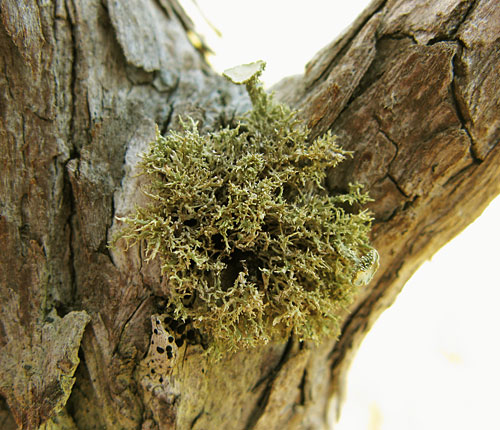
252 244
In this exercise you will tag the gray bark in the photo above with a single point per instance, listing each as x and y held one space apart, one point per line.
411 87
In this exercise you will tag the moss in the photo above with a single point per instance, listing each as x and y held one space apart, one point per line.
253 246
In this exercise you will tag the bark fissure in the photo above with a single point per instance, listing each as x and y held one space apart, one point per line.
302 387
472 5
274 371
344 43
395 182
400 36
196 418
74 150
454 181
127 321
460 110
168 120
368 80
388 174
69 200
269 379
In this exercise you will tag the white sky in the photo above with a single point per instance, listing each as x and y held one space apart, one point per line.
283 33
431 361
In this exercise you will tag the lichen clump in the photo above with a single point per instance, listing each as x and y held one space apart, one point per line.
252 244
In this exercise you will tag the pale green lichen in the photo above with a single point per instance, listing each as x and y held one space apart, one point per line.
253 246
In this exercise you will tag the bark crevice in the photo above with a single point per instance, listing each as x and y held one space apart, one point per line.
269 380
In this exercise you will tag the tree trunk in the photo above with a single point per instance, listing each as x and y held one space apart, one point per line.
412 88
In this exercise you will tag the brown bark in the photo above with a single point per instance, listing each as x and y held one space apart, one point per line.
411 88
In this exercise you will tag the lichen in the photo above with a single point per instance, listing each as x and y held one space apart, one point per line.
253 246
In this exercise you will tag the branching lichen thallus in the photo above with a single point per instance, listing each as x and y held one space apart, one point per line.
252 244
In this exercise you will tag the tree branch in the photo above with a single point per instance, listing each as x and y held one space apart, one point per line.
411 88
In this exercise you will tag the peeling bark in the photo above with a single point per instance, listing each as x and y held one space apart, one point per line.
411 87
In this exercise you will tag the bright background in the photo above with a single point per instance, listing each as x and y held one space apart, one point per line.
432 360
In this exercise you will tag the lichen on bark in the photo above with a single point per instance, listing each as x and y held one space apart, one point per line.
253 246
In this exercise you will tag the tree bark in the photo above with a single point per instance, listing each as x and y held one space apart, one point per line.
411 87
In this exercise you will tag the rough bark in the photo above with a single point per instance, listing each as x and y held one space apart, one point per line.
411 88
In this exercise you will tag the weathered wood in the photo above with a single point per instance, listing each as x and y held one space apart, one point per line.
424 122
411 87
